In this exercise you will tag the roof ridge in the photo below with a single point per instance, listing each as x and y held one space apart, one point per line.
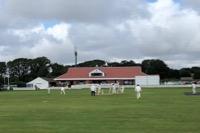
107 67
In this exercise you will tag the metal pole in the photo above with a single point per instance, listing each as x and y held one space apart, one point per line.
75 55
4 80
8 76
8 87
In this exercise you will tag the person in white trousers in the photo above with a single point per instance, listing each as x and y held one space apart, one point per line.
93 89
49 90
193 88
62 90
114 91
99 89
138 90
122 89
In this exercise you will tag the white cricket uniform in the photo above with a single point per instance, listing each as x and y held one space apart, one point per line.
122 89
93 90
49 90
99 89
114 89
193 88
62 90
138 89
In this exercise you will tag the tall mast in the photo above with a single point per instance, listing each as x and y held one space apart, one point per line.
76 55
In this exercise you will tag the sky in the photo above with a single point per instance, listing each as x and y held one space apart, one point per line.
111 30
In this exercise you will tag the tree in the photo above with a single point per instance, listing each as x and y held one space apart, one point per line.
19 69
173 74
194 69
2 71
196 72
185 72
155 67
39 67
196 75
2 68
57 69
128 63
123 63
114 64
23 70
92 63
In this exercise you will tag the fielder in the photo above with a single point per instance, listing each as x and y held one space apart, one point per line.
114 87
49 90
62 90
110 89
193 88
99 89
138 89
122 89
93 89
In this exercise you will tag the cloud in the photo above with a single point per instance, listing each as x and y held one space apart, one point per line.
60 32
169 32
76 11
110 30
38 41
191 4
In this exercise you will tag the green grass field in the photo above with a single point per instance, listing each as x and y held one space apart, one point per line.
159 111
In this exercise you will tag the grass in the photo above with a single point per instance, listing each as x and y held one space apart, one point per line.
159 111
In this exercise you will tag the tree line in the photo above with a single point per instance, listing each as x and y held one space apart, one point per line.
23 70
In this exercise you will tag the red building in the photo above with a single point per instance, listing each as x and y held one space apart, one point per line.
88 75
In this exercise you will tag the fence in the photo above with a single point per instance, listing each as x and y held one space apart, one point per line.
109 85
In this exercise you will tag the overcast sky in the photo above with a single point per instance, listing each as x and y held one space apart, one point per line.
111 30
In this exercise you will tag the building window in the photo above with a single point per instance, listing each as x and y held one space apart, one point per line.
128 82
81 82
96 74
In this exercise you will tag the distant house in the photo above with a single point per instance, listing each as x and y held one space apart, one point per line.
88 75
51 81
148 80
41 83
186 80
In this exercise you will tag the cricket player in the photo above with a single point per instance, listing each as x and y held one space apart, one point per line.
193 88
99 89
93 89
114 87
49 90
62 90
138 90
110 89
122 89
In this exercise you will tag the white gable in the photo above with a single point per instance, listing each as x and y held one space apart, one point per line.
96 71
38 79
39 82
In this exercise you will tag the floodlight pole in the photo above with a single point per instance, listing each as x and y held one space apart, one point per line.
75 54
9 82
8 76
4 80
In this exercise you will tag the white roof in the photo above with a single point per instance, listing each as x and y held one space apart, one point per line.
36 80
